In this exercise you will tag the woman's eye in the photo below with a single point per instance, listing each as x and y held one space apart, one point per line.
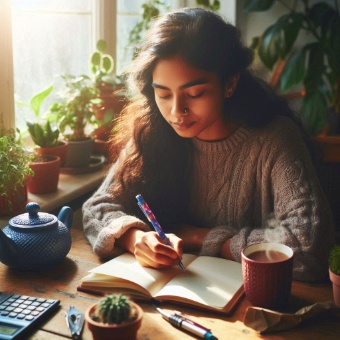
163 95
194 96
167 96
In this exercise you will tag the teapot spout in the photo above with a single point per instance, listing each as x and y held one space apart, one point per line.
66 216
8 250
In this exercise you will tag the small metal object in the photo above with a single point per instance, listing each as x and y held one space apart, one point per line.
75 322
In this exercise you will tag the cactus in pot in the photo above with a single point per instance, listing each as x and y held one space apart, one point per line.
113 309
114 316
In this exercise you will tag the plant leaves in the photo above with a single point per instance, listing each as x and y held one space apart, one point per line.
107 63
30 127
95 59
39 137
294 71
269 49
278 39
38 99
321 14
315 111
333 50
291 27
257 5
315 67
101 45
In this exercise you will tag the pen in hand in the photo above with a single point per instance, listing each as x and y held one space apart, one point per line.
151 217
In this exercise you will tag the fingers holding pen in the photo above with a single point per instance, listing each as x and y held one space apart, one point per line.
162 249
151 252
177 244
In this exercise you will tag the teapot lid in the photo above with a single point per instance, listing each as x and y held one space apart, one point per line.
33 218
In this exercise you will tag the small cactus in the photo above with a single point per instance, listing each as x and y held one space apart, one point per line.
113 309
334 260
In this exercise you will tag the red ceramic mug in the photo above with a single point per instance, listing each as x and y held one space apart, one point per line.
267 270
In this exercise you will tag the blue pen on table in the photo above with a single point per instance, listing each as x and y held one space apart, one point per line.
151 217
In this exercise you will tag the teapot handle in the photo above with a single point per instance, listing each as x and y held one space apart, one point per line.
66 216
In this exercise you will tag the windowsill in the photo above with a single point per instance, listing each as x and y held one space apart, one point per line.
70 188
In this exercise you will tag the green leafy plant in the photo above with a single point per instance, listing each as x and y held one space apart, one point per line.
114 309
151 10
74 111
334 260
43 134
41 131
14 161
101 64
37 101
213 5
312 64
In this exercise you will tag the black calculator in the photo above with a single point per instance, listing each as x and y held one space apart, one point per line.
20 313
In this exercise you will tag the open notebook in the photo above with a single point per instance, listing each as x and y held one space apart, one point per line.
208 283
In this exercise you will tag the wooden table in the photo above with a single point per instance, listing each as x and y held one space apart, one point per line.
60 283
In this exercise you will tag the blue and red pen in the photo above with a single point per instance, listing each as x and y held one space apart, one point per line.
151 217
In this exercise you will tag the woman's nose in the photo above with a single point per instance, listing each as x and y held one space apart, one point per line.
178 107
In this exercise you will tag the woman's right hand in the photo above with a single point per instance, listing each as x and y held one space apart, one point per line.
149 249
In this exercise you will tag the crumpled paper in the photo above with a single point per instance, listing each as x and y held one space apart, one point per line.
265 320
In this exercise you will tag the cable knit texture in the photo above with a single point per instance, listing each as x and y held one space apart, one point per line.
237 185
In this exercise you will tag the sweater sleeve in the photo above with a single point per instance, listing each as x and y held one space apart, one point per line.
300 207
104 219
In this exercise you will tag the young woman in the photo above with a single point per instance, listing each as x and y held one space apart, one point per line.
213 151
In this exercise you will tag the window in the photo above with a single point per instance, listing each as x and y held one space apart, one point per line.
46 38
49 38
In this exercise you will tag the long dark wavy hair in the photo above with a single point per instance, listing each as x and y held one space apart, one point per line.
158 165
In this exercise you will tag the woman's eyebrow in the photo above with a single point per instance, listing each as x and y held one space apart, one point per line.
185 86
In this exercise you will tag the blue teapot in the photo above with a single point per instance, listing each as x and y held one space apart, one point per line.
36 240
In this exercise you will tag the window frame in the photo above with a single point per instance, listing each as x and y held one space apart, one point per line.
6 66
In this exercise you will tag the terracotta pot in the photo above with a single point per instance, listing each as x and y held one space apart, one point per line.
14 202
46 175
79 153
59 151
124 331
336 287
330 147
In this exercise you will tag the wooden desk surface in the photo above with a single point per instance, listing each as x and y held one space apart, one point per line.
60 283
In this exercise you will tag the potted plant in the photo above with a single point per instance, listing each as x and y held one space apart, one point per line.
114 316
334 272
41 131
46 171
111 93
74 115
313 63
14 168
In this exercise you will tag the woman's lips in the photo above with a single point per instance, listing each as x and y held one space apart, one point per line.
182 125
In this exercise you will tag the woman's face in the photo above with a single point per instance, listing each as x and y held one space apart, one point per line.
190 99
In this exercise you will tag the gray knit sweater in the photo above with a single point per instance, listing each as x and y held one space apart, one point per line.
237 186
